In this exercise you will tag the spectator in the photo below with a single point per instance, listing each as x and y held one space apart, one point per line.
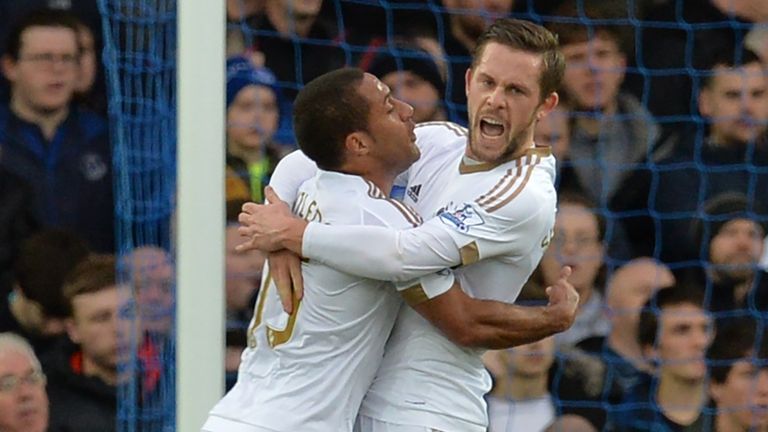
677 39
466 20
252 119
578 242
629 288
611 129
520 398
86 11
298 46
82 377
61 150
89 61
581 383
731 156
150 270
554 131
23 400
36 308
414 77
739 378
732 240
674 332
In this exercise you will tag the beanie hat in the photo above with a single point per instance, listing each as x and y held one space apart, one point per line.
410 59
723 208
241 72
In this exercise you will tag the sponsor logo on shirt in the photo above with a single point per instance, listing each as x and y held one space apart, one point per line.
462 218
413 192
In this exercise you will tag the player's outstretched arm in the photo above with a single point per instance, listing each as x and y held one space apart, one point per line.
496 325
399 255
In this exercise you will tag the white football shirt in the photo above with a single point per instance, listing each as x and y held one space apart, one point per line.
310 370
494 221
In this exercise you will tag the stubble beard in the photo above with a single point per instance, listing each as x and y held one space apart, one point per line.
514 143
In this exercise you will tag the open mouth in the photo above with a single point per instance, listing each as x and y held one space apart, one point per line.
491 127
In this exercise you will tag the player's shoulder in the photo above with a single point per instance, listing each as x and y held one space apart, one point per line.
440 134
353 200
522 188
441 127
389 212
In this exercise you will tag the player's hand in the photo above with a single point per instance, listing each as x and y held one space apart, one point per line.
563 301
285 268
264 224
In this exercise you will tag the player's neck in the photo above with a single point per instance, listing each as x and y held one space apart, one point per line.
370 171
382 181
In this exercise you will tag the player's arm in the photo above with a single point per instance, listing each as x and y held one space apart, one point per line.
491 324
399 255
384 253
289 174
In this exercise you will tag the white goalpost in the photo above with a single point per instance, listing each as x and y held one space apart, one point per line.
200 211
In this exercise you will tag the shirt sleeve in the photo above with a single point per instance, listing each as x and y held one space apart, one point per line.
461 236
426 288
292 170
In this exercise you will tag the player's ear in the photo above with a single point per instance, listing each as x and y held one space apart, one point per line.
549 103
357 143
467 80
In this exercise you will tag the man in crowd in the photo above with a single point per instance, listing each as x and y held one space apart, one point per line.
627 291
415 78
520 398
731 237
82 370
61 150
23 400
738 375
674 332
731 155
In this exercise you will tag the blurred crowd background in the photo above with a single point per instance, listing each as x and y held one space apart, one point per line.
660 138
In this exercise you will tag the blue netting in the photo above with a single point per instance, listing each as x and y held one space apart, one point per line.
140 62
661 194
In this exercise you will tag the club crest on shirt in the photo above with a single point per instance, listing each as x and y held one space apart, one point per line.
93 166
461 217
